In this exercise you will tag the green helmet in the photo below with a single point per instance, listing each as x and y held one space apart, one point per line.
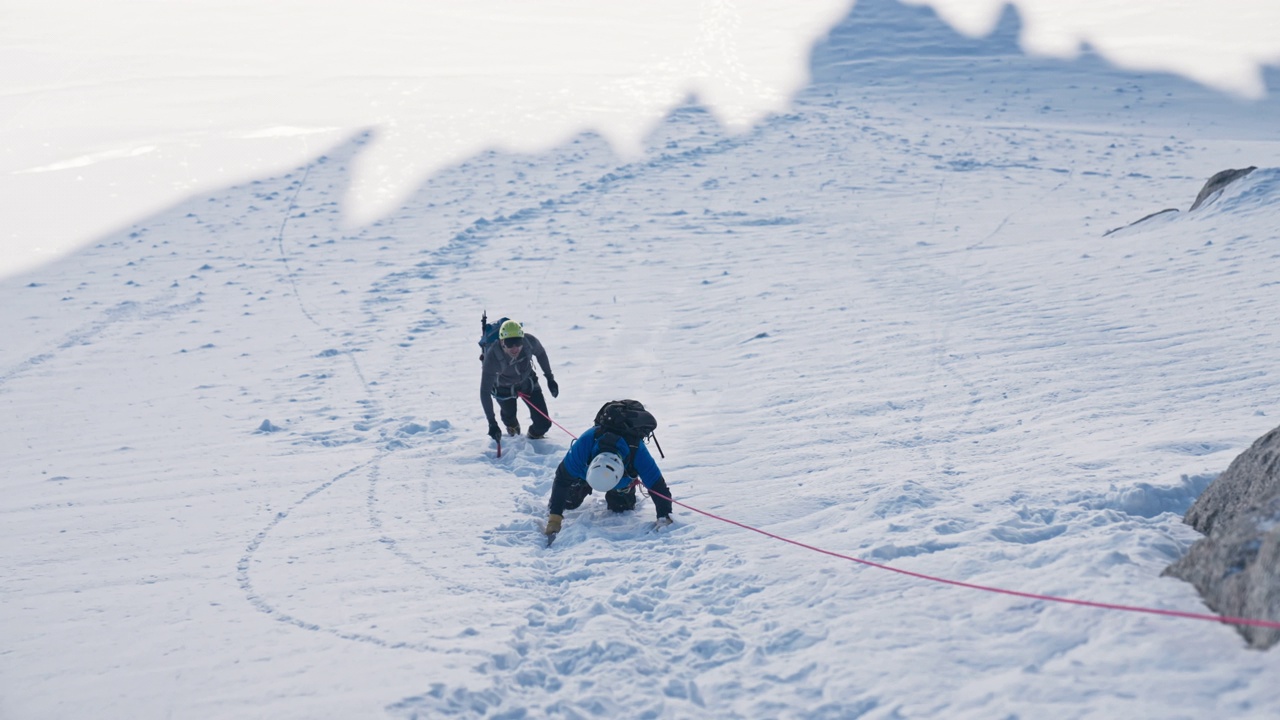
510 329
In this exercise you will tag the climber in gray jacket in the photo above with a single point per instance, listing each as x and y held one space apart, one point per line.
507 372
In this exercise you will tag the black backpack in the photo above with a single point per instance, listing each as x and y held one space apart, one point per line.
628 420
489 332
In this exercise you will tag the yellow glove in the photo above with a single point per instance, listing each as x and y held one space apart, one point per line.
553 524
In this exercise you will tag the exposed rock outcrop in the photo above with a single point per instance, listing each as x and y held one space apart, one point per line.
1212 188
1141 220
1236 566
1219 181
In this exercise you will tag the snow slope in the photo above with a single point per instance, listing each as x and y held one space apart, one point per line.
247 475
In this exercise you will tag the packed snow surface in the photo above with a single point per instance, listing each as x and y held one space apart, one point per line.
246 473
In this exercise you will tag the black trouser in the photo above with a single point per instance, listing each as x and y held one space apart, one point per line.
567 492
621 500
509 403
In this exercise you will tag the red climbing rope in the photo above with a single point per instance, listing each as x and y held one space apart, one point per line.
529 402
1225 619
987 588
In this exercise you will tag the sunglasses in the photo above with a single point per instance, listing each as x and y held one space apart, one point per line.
513 342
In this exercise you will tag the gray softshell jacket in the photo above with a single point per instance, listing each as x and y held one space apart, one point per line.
510 375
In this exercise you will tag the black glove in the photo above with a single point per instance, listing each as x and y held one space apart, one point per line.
553 386
494 432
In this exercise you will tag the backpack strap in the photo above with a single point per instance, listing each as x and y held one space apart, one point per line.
607 441
489 333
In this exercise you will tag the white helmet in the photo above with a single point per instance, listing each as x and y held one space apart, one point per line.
604 472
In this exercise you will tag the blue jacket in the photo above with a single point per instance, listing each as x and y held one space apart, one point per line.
572 471
585 448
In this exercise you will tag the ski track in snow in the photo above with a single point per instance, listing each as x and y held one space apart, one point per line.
512 674
885 323
515 675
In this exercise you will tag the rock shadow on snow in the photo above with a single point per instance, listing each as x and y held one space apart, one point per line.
1148 501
